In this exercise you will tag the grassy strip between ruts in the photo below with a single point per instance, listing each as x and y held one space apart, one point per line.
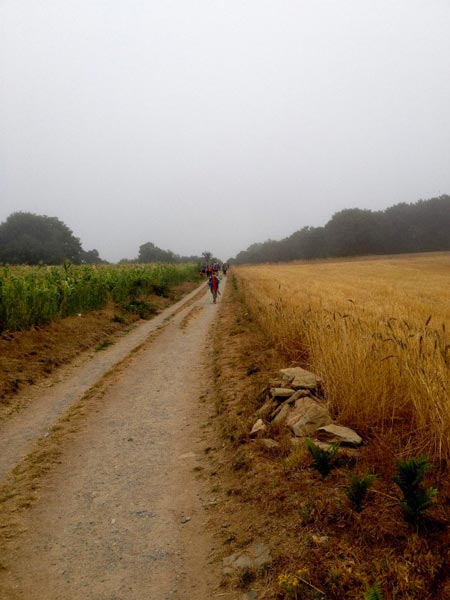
322 547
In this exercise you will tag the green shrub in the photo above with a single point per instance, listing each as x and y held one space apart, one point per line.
139 307
103 345
323 461
416 498
357 489
118 319
373 593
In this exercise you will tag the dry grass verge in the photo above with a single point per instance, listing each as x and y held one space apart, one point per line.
322 547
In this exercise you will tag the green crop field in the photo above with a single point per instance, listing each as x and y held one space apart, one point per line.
37 295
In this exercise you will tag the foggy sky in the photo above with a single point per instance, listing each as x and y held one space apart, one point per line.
210 125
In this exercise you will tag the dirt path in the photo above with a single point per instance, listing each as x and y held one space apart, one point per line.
123 516
47 402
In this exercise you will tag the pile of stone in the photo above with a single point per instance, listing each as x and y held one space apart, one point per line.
293 399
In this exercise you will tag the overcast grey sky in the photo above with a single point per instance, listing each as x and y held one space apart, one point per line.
207 124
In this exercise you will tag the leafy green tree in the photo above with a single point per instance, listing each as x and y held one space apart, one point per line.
419 227
26 238
354 232
149 253
91 257
309 242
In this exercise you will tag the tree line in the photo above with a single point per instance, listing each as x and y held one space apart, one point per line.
422 226
30 239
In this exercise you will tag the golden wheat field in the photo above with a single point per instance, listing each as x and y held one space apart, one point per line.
375 330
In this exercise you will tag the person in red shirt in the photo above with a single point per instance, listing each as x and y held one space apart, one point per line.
213 283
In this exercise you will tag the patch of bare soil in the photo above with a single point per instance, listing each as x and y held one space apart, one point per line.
322 547
28 357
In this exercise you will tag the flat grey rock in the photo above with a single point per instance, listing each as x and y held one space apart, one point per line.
300 378
307 416
280 415
281 392
338 434
289 402
268 407
258 427
269 443
254 557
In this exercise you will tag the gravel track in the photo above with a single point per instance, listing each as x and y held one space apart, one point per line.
124 515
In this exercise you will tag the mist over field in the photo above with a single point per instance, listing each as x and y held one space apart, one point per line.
212 125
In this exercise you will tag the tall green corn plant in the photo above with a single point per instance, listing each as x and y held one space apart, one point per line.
36 295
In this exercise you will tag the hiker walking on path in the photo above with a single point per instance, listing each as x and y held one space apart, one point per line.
213 283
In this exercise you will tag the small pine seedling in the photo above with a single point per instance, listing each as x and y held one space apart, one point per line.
373 593
323 461
416 498
357 489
